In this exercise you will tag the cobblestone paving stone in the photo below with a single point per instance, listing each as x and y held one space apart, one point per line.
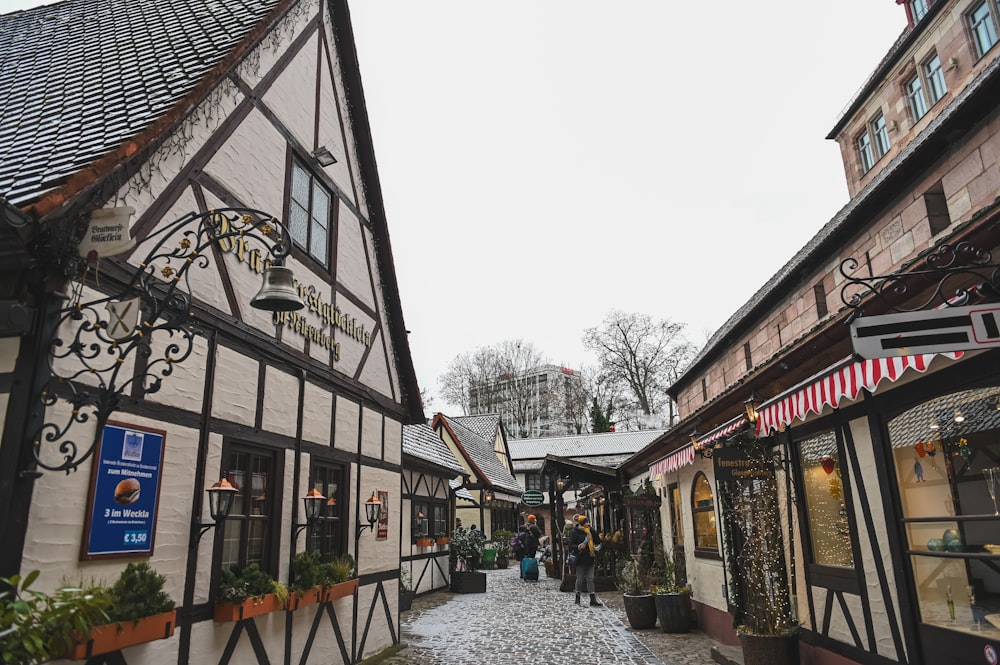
516 622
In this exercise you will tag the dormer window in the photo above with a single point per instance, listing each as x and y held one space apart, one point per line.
918 9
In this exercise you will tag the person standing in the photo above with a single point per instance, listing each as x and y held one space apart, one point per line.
586 543
532 536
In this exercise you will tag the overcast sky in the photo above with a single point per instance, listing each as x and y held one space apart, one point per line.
545 162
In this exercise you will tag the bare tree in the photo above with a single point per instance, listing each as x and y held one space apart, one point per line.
644 355
498 379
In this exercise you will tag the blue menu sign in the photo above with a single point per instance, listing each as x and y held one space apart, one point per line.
124 492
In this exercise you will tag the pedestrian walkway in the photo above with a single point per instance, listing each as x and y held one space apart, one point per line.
518 622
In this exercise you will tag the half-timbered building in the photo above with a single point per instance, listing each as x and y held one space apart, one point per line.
164 164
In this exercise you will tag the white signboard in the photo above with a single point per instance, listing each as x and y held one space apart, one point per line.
935 331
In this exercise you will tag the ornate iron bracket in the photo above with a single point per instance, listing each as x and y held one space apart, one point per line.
956 275
95 339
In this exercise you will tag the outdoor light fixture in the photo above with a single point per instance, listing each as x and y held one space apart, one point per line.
751 405
959 418
220 503
324 156
934 425
560 485
313 502
694 437
372 508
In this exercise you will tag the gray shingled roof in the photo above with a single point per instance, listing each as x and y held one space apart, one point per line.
422 441
606 461
481 452
79 78
484 425
581 446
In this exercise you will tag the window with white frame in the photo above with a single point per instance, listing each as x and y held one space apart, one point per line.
309 213
918 9
864 144
915 95
881 134
935 78
982 23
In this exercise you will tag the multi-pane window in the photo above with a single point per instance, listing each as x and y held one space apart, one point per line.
826 507
935 78
326 535
248 530
864 144
309 213
430 518
915 95
706 534
918 9
881 134
532 481
982 23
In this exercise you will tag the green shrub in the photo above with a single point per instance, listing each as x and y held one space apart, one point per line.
36 627
307 569
501 540
251 582
138 593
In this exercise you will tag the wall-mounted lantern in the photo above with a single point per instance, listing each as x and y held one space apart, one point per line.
220 504
372 508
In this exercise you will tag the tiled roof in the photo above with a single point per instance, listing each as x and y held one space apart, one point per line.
78 78
607 461
460 492
485 426
483 455
423 442
581 446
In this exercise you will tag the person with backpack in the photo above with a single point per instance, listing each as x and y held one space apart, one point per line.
529 536
585 543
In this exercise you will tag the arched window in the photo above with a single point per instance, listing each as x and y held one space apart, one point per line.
706 534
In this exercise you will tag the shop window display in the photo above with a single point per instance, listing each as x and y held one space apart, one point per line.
826 507
947 457
706 535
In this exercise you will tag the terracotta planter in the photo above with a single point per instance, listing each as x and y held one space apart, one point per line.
340 590
640 610
299 599
425 542
116 636
674 612
226 610
770 649
443 541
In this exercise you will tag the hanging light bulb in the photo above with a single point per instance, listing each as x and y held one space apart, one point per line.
959 418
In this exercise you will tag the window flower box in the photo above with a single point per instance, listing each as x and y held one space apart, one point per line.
340 590
227 610
443 540
299 599
425 542
116 636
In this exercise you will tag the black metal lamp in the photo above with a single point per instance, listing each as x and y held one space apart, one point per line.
703 451
313 502
220 504
751 405
372 508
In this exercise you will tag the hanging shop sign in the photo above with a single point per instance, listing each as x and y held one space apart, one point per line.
734 464
937 331
641 501
124 492
532 498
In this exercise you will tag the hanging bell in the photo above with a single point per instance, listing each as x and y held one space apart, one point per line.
277 293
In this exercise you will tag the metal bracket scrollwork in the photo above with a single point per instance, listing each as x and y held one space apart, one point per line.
955 276
89 354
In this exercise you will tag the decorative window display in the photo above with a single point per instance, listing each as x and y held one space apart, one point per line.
947 457
826 506
706 535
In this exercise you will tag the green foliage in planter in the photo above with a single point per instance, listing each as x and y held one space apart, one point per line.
307 569
501 540
36 627
250 582
405 581
337 570
467 546
629 579
138 593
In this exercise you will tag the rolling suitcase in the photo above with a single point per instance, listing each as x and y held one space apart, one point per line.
529 569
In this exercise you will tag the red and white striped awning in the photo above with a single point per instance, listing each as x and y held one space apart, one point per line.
834 384
675 460
723 431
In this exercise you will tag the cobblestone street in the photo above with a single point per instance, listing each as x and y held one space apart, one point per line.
518 622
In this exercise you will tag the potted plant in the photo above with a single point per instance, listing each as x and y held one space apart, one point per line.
304 588
424 541
139 611
640 605
248 593
759 598
671 595
501 541
442 538
36 627
466 550
406 592
339 578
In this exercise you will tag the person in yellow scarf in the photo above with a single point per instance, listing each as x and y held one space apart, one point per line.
585 542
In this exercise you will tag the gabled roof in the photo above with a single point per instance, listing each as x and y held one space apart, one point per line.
485 426
81 78
580 446
480 454
422 442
